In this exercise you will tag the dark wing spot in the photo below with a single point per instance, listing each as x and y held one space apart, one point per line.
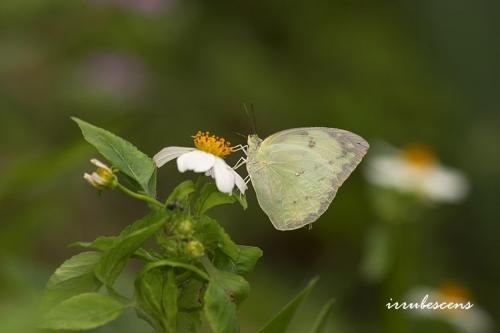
311 143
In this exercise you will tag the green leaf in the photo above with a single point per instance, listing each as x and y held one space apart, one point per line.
244 263
280 322
104 243
101 243
214 237
320 321
225 291
169 301
181 193
211 197
242 199
83 312
131 239
149 291
220 310
190 294
249 255
73 277
237 288
153 180
189 322
122 154
157 292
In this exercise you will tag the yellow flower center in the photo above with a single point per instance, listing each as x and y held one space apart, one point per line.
452 292
212 144
419 156
106 174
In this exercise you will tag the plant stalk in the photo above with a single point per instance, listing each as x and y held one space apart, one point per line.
139 196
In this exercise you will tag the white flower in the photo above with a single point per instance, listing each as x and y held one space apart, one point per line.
416 170
205 158
468 317
101 178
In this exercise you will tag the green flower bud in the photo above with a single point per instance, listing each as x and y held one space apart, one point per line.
185 227
195 249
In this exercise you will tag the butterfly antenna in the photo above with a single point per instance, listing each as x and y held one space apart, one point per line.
251 116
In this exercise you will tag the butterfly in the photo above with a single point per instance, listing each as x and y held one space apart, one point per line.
296 172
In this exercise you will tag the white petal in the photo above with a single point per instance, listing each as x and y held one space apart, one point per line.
224 176
445 184
240 183
169 153
94 179
99 164
88 178
196 160
388 171
475 320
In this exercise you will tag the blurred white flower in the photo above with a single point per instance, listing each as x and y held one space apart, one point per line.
472 320
205 158
416 170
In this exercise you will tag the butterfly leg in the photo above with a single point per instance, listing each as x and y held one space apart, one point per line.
241 147
247 179
240 162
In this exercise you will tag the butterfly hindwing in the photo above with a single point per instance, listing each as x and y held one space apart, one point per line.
297 172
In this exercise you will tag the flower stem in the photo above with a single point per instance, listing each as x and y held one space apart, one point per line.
207 264
139 196
175 264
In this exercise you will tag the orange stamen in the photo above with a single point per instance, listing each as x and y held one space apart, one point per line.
212 144
419 155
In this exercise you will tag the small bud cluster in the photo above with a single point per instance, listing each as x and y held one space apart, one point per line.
181 240
195 249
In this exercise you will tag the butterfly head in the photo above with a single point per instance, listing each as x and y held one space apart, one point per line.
253 142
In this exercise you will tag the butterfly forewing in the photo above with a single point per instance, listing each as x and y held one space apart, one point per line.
297 172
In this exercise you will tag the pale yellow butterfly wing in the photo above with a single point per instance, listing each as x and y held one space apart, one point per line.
297 172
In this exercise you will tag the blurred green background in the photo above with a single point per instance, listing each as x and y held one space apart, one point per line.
157 71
